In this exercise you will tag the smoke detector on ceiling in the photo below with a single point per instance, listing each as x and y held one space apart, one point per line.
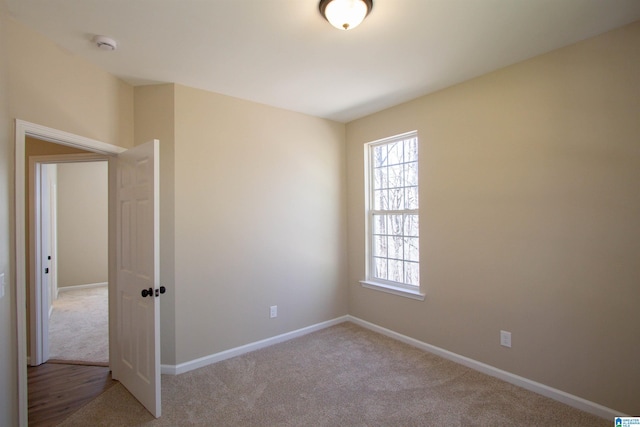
105 43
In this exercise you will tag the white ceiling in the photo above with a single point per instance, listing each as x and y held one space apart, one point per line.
283 53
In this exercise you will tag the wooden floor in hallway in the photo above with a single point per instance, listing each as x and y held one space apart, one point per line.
57 390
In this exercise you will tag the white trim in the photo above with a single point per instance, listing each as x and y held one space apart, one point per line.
527 384
40 298
39 322
69 158
395 290
237 351
53 280
370 278
400 136
22 130
78 287
536 387
64 138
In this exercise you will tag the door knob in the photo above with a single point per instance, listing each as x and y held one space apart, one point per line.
162 290
147 292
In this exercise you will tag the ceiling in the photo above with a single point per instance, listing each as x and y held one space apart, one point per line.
283 53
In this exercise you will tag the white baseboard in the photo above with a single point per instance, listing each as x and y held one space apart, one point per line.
237 351
544 390
76 287
550 392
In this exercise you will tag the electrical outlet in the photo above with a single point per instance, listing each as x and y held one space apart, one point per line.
505 339
273 311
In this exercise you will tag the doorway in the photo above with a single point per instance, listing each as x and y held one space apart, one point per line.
67 251
134 262
71 219
68 258
24 130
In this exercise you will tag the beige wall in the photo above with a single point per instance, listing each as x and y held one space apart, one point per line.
529 210
8 360
82 217
154 119
52 87
529 219
260 221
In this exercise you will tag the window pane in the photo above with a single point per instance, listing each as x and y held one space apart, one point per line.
411 198
411 225
412 273
380 246
393 232
396 178
380 179
411 150
380 202
411 249
379 224
395 153
396 199
411 174
380 268
395 272
394 225
380 155
396 244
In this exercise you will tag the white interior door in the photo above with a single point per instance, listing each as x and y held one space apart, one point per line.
53 259
42 299
137 262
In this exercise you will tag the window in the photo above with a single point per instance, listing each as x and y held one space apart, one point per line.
393 250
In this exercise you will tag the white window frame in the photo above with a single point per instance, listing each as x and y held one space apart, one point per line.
371 282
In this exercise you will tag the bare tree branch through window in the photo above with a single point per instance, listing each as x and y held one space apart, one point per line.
393 211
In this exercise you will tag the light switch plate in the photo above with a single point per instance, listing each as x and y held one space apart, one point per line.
505 338
1 285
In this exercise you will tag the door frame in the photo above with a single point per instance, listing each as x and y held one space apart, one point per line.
39 298
22 130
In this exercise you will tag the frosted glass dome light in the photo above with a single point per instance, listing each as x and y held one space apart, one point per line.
345 14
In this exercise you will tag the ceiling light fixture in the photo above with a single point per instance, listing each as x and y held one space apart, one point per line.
345 14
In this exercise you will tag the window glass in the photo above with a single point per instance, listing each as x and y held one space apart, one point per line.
393 226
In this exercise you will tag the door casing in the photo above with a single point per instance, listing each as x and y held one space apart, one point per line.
22 130
39 297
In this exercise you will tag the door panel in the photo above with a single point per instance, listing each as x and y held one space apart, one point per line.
137 261
47 174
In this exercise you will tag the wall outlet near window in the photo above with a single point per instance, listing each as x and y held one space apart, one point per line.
505 339
273 311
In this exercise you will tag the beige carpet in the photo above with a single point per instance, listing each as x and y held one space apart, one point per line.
78 327
341 376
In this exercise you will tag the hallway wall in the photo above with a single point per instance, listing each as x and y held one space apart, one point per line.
82 223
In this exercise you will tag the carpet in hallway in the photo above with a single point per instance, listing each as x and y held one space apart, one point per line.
78 327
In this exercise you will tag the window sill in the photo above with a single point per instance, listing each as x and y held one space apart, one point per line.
395 290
